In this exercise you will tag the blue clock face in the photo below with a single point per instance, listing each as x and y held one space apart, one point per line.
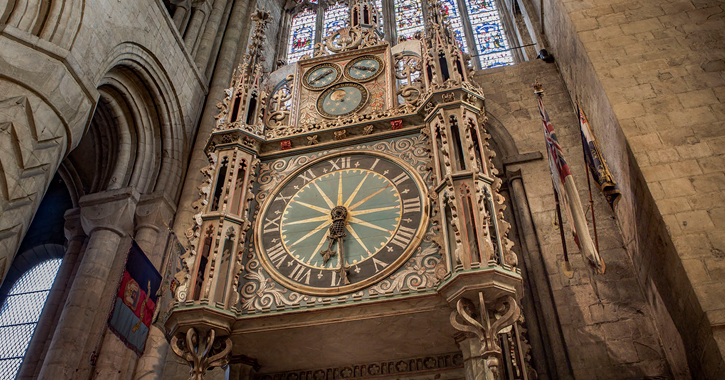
341 223
342 99
321 76
364 68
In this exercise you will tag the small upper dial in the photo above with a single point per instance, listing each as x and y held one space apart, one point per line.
321 76
364 68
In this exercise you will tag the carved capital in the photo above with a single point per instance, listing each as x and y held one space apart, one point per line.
154 210
111 210
484 322
201 354
73 229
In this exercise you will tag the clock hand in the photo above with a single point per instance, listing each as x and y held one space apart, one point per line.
323 75
343 268
336 231
365 68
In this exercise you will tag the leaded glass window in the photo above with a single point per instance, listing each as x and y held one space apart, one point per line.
20 313
453 15
302 35
488 32
408 18
336 17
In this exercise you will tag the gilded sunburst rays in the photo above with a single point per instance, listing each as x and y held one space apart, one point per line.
373 205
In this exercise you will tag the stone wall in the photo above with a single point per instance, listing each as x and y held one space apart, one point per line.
650 75
605 319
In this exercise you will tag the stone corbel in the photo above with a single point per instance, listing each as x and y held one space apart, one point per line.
201 354
485 326
111 210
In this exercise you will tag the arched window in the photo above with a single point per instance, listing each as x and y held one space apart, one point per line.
20 313
491 42
302 35
408 18
477 25
335 17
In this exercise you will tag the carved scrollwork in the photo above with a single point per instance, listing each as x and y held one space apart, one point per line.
408 67
201 355
492 318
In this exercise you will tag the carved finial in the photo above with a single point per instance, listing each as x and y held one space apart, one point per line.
538 88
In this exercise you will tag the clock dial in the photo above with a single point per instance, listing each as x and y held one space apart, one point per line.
349 217
342 99
364 68
321 76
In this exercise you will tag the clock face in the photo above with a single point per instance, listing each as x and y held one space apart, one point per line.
342 99
342 223
321 76
364 68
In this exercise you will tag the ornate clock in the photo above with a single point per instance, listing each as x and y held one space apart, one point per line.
342 222
364 68
342 99
321 76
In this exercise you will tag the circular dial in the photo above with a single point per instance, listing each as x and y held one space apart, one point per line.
342 99
321 76
342 223
364 68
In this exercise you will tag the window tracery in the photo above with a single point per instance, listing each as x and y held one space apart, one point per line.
477 26
491 41
336 17
20 313
302 35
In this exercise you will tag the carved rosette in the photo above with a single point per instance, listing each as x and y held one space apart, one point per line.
201 354
484 323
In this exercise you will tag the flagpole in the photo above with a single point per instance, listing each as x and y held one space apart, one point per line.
589 184
568 272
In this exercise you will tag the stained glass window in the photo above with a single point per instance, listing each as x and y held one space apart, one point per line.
20 314
302 35
379 5
450 11
491 42
336 17
408 17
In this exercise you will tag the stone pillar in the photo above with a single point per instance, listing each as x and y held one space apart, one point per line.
208 38
196 24
553 338
75 237
106 218
153 214
473 363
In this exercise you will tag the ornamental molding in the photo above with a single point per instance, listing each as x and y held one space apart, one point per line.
432 363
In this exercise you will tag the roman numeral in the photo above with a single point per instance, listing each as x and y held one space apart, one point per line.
301 272
277 254
399 179
403 237
282 198
307 173
411 205
271 225
335 281
375 163
377 262
344 163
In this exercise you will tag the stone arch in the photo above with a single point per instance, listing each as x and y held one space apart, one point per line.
57 21
139 116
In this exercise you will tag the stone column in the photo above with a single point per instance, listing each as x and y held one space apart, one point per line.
196 24
210 31
153 214
553 337
75 236
106 218
473 363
